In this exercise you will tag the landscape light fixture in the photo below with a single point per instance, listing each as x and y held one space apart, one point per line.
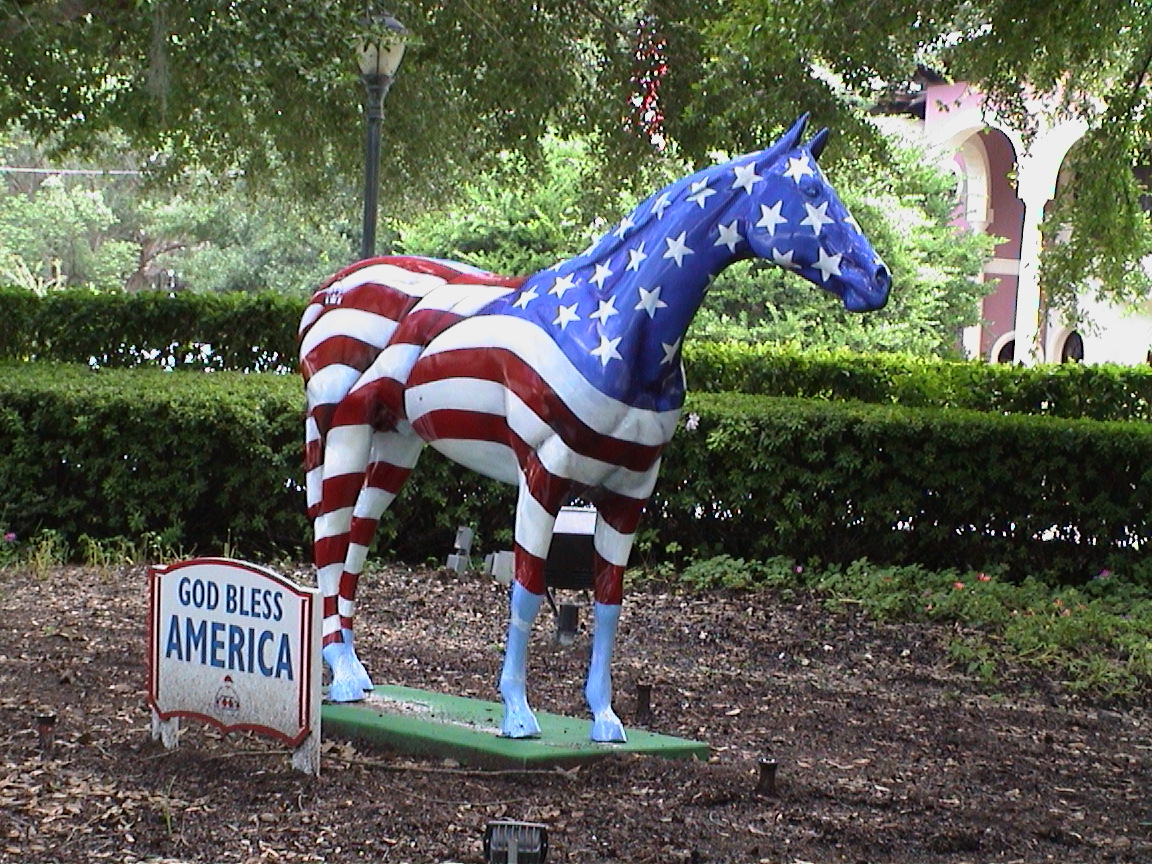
379 52
461 559
510 842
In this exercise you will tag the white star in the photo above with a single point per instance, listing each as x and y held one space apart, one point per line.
623 227
770 217
525 298
729 236
565 315
699 191
817 217
602 273
607 349
606 310
798 168
784 259
562 284
650 301
670 351
746 177
635 256
828 265
677 248
662 204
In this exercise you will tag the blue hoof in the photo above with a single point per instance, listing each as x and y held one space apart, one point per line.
608 729
519 724
347 682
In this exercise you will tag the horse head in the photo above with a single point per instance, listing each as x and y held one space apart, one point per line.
798 221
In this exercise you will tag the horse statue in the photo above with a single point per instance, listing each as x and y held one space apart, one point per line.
565 383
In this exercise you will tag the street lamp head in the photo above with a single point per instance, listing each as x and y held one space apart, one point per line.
381 49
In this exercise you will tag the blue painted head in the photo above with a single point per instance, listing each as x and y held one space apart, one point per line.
795 219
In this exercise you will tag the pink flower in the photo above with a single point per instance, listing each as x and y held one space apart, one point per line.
959 586
984 577
10 537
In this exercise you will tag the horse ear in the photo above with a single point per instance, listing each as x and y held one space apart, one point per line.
792 137
818 142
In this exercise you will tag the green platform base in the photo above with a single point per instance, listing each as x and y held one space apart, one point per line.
468 730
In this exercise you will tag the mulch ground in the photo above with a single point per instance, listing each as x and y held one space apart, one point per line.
886 751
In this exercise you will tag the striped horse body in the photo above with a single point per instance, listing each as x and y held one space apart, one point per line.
566 383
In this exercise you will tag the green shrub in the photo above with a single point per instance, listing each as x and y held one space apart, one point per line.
257 332
835 482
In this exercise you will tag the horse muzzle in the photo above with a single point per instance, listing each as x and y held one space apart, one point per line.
871 295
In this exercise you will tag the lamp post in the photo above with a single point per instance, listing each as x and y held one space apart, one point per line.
379 53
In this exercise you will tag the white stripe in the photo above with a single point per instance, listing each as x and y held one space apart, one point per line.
333 524
606 415
394 362
310 315
611 544
346 450
411 283
371 502
368 327
328 579
533 524
488 397
314 484
357 555
484 457
347 608
463 298
331 384
331 625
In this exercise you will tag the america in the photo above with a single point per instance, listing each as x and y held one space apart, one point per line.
229 646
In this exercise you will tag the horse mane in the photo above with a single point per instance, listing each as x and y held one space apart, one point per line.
644 215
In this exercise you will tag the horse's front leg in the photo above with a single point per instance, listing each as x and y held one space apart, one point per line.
616 521
534 524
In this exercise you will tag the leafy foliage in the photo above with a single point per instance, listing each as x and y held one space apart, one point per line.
271 89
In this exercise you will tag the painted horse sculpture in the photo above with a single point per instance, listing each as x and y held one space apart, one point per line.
565 383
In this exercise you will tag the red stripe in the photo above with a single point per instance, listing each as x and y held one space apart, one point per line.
503 367
330 550
362 531
608 585
529 570
384 475
620 511
313 454
346 350
341 491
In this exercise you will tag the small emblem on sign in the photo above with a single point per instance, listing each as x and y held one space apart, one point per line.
227 699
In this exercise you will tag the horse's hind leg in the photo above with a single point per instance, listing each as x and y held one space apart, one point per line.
363 471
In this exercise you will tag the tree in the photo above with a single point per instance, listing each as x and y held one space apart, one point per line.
271 87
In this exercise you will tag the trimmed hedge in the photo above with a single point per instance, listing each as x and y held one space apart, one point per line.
1098 392
206 459
257 332
200 461
938 487
247 332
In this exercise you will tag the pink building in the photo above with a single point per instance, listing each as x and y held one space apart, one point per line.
1004 186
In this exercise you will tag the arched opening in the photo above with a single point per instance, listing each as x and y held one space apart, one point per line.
1006 352
1072 351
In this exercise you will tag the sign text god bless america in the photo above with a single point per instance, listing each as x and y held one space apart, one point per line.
231 643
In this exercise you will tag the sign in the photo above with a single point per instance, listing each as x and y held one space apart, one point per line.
234 645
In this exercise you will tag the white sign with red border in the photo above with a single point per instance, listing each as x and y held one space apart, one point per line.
235 645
